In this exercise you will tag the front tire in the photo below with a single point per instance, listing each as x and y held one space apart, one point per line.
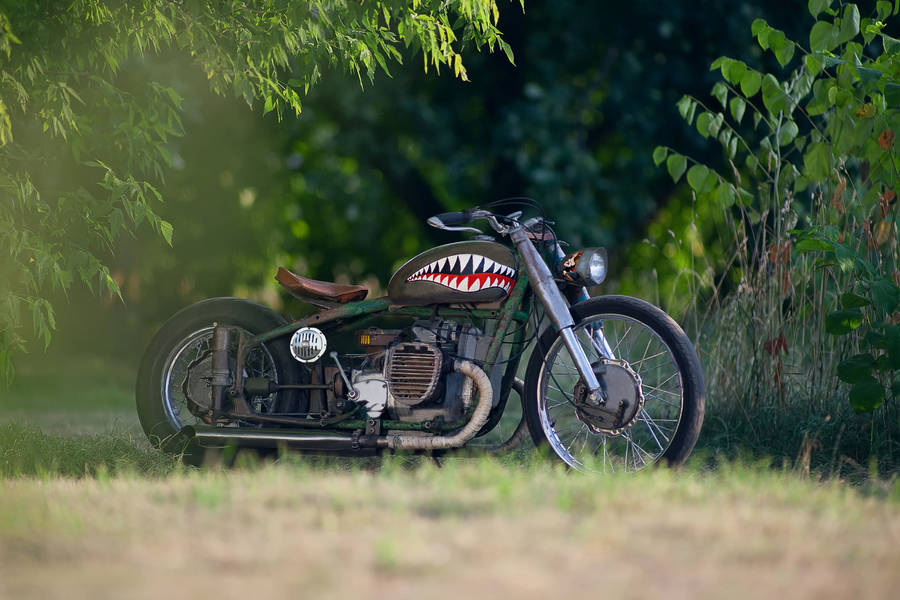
661 356
176 353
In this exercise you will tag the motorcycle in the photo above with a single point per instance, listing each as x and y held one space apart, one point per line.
612 382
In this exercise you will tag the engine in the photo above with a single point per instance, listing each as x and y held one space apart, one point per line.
412 379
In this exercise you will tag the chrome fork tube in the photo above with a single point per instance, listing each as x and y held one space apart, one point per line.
542 281
597 336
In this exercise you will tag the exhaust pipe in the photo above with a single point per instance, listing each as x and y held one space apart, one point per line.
306 440
261 438
402 441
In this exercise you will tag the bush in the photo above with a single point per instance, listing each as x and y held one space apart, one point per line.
810 200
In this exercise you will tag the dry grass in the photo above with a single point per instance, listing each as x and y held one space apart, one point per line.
102 516
475 529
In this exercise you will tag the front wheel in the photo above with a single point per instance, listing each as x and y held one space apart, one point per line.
633 345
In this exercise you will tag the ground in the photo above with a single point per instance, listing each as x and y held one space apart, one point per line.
88 510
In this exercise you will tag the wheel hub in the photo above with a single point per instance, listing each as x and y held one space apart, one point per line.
621 386
196 387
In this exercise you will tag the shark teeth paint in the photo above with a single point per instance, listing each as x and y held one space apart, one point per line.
467 273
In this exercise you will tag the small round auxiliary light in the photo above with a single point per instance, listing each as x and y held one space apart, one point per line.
308 344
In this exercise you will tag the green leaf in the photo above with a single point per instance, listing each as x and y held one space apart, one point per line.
813 245
883 8
676 164
866 396
737 70
732 147
761 30
849 24
817 6
845 257
720 92
819 103
659 155
737 106
703 122
842 322
750 83
696 177
774 97
885 294
856 368
787 133
686 107
165 228
817 161
849 300
725 195
716 124
781 46
813 63
823 37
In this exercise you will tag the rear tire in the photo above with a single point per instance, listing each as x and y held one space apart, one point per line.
161 406
657 350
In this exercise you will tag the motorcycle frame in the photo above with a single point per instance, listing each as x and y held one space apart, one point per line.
515 309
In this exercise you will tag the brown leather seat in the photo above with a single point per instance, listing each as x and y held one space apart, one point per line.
335 292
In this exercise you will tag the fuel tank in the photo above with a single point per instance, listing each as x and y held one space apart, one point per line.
462 272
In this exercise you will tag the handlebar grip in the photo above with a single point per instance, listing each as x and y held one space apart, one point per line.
451 219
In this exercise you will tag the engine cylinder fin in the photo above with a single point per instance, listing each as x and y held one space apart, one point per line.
413 371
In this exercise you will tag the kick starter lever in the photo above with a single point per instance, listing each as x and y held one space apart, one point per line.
352 394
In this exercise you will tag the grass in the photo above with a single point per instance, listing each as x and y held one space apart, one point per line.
90 502
478 528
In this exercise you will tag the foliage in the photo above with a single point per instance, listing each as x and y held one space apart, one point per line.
813 168
82 153
570 126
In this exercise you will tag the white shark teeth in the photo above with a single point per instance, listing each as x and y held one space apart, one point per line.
467 273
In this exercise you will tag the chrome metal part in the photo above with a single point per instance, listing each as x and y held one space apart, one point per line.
373 390
300 440
308 344
352 394
625 398
414 441
221 374
557 308
574 433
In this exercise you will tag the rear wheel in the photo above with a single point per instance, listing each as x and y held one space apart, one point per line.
174 374
647 358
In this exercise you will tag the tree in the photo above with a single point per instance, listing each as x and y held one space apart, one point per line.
83 149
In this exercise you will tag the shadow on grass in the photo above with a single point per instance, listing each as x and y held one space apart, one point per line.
25 451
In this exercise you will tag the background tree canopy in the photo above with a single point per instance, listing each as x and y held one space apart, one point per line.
342 190
84 144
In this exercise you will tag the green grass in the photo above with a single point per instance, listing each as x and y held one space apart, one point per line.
26 451
87 499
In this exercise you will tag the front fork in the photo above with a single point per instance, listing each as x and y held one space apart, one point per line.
558 309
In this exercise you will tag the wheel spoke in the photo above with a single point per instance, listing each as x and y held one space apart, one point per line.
571 434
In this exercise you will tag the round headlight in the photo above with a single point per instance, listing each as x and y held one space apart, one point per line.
586 267
596 268
592 266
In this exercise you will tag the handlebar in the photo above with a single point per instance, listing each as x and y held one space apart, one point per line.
451 219
456 221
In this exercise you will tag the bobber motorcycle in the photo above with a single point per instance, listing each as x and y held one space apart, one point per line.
612 383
